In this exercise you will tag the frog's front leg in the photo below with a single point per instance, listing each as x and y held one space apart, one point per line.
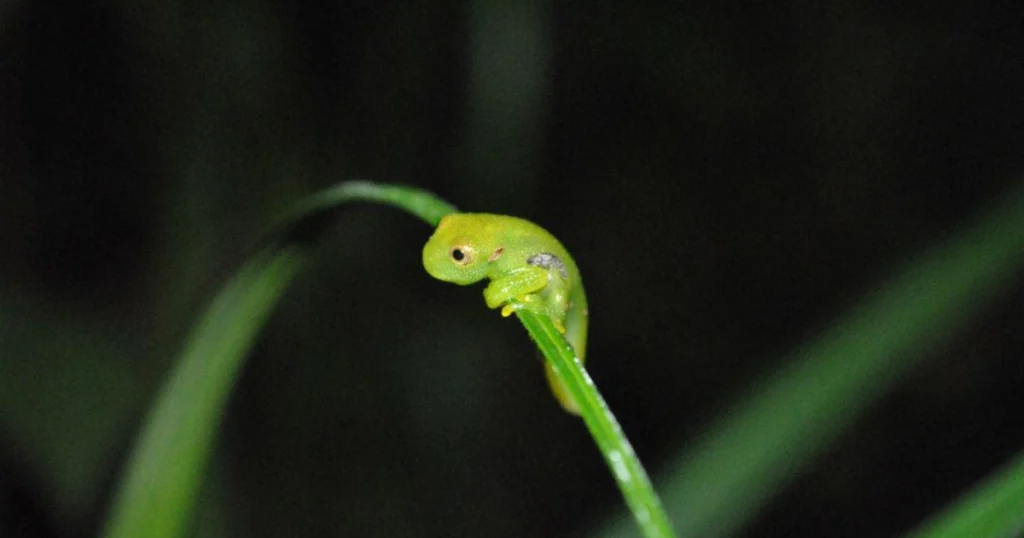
515 285
532 288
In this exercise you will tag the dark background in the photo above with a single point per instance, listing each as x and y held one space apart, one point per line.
730 177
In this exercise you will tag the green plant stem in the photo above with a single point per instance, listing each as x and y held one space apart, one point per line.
629 474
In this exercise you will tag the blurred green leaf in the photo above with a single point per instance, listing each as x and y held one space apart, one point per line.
995 508
165 471
759 445
161 484
68 388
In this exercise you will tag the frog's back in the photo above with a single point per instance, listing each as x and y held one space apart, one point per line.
524 239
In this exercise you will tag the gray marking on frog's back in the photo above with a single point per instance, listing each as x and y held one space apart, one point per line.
548 260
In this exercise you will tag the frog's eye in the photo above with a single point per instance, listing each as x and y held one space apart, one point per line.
462 254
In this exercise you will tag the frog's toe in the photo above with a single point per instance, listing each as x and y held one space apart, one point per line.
507 310
559 325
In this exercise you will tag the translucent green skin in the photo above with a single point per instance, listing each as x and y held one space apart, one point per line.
528 269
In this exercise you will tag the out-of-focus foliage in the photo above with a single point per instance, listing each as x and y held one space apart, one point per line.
803 408
730 179
159 489
991 509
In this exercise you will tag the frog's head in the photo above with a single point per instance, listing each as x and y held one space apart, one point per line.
459 250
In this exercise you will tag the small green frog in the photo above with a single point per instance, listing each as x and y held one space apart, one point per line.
528 270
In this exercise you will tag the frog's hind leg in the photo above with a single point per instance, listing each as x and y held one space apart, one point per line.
560 391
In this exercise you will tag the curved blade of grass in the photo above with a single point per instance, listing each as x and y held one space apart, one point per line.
310 212
797 413
995 508
165 470
629 474
164 473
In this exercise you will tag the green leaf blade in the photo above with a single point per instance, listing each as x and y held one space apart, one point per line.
728 476
164 473
994 508
156 496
